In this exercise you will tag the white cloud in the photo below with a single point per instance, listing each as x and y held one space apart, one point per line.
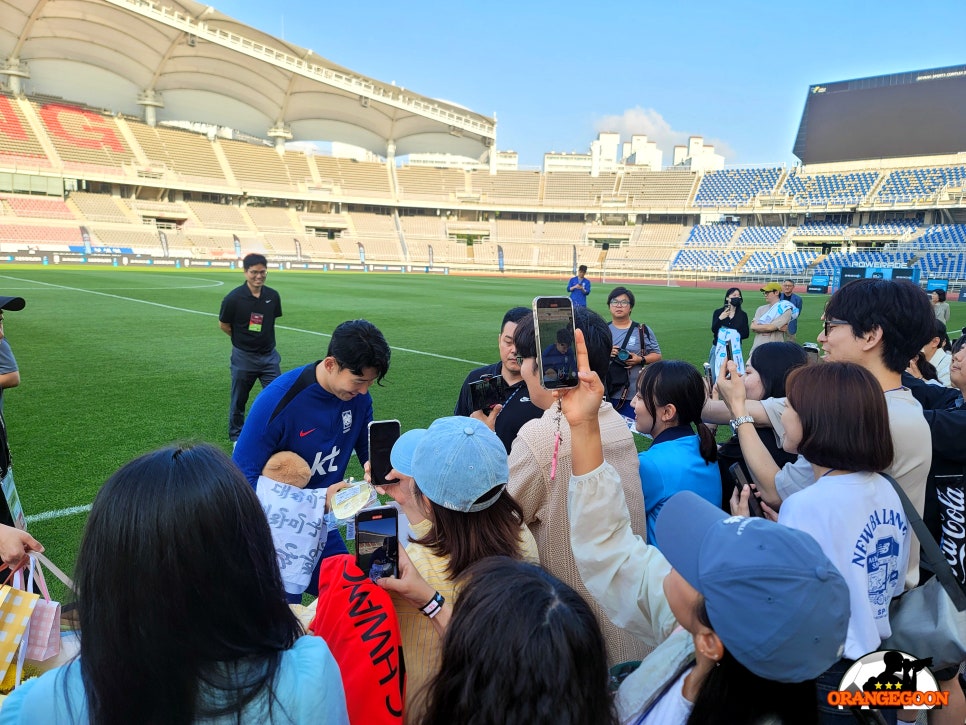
648 122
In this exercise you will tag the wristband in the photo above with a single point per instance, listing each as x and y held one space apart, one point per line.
433 606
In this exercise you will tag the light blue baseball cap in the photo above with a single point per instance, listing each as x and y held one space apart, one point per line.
455 462
401 455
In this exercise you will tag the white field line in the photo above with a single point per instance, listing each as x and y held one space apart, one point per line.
47 515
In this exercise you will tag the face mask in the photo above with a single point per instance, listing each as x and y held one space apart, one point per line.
735 301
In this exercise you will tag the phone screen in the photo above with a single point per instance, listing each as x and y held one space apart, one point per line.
709 376
488 391
377 542
553 319
741 480
382 436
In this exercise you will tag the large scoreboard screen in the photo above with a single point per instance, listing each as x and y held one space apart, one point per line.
907 114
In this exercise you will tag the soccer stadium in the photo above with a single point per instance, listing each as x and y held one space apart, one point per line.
184 151
148 146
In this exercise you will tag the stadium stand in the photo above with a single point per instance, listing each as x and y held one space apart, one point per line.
84 139
763 237
563 187
258 166
99 208
664 189
711 235
272 218
828 189
735 187
912 185
419 182
19 144
327 207
820 229
506 186
190 155
39 208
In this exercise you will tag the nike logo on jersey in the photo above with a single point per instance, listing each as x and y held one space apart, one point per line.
303 433
524 399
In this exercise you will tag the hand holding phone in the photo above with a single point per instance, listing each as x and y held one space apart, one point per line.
553 324
383 434
709 377
377 542
741 480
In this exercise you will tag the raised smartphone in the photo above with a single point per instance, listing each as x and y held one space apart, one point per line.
553 323
377 542
383 434
741 480
488 391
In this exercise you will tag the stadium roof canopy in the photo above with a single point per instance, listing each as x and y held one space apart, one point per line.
184 61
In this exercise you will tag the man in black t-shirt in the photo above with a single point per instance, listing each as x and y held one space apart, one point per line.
517 408
248 315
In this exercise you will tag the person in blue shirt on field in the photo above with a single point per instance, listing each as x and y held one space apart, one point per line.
579 287
321 412
667 407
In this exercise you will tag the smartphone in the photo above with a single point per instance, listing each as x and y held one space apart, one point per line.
488 391
553 324
377 542
729 356
709 376
383 434
741 480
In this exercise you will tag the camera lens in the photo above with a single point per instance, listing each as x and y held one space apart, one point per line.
622 355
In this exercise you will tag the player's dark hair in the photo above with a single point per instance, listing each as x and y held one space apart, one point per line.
522 647
252 259
940 293
182 612
358 344
676 381
898 307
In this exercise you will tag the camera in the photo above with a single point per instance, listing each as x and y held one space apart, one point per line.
623 355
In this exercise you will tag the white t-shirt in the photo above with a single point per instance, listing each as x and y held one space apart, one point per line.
911 442
858 520
672 708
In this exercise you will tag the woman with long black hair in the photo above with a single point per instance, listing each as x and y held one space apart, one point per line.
182 612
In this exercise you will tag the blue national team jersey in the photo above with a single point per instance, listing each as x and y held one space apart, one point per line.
315 424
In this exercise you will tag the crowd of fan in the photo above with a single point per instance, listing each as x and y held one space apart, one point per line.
555 575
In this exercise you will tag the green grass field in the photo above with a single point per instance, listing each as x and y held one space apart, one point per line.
116 362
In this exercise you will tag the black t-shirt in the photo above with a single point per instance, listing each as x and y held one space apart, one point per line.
517 408
252 319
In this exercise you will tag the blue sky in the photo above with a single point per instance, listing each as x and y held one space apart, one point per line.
556 73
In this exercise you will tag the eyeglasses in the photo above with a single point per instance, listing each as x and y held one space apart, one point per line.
620 303
253 273
829 324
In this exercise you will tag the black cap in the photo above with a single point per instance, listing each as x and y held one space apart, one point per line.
14 304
